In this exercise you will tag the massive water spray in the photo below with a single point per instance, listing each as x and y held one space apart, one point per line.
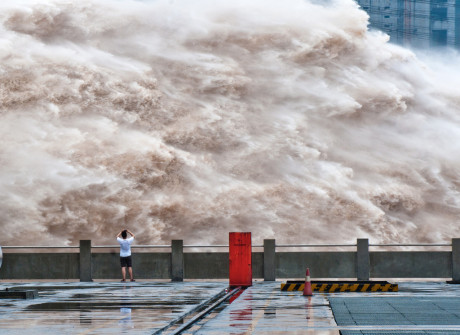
190 119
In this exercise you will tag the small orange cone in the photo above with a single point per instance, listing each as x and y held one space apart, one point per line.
307 288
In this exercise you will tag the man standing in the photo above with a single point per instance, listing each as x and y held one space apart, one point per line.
125 253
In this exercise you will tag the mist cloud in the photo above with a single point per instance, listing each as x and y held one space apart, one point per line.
187 120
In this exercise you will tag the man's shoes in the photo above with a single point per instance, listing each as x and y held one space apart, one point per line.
132 280
122 280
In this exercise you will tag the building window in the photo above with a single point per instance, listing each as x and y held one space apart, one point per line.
438 37
439 14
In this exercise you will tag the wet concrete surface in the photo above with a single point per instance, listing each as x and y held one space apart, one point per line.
101 308
417 308
145 307
265 309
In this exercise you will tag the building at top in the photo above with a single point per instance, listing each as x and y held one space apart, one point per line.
416 23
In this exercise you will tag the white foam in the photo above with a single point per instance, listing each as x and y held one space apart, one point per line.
188 120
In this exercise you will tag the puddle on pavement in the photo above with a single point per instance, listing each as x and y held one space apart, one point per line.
101 308
75 306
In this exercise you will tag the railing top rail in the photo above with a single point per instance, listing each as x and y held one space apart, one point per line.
412 245
133 246
39 247
314 245
169 246
206 246
216 246
226 246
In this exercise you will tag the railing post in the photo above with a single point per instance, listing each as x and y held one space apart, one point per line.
269 260
85 261
456 260
177 260
362 259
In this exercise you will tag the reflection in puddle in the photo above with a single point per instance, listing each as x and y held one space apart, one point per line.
125 322
270 313
85 317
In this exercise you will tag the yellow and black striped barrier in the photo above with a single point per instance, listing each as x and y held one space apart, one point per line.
344 286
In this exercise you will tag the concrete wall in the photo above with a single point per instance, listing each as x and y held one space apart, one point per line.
321 264
40 266
145 265
411 264
360 264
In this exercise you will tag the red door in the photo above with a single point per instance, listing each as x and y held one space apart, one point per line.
240 259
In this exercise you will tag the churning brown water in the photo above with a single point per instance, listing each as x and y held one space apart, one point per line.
190 119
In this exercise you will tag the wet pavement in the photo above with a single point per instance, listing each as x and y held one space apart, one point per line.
146 307
101 308
265 309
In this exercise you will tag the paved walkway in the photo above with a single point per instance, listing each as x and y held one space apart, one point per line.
145 307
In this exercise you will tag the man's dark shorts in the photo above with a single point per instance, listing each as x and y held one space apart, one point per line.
126 262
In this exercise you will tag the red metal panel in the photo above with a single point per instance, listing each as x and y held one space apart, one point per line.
240 259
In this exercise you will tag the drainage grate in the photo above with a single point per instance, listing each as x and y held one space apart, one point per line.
397 315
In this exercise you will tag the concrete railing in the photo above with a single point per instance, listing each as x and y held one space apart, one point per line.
270 263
